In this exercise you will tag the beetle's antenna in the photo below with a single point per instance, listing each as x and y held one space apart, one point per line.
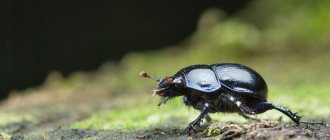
144 74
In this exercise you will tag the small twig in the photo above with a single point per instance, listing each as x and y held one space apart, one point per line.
313 122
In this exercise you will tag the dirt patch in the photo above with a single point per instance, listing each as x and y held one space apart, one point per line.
267 130
217 130
254 130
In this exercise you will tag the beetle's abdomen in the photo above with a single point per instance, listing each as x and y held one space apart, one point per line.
241 79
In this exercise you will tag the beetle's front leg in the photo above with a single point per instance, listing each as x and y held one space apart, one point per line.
192 126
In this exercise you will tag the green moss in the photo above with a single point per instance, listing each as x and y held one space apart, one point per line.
9 117
142 116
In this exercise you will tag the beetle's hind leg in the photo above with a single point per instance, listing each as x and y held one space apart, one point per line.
292 115
264 106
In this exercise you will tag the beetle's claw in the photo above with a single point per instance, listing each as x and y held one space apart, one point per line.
296 117
189 130
163 100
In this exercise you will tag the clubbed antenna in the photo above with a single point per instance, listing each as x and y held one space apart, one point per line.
144 74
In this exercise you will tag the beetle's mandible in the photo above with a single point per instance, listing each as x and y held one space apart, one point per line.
225 87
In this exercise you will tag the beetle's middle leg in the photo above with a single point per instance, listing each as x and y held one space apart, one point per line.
232 103
239 106
192 126
189 102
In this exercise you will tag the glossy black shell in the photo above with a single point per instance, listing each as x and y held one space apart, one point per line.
210 79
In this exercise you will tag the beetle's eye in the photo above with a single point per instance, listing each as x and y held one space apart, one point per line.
168 80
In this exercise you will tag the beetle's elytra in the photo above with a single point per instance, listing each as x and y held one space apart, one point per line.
214 88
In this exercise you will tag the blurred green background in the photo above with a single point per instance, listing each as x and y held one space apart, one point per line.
287 42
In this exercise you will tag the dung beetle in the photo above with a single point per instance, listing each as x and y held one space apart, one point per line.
225 87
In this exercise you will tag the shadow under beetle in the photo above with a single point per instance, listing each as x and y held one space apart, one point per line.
214 88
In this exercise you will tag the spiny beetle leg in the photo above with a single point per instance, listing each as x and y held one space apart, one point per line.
192 125
292 115
264 106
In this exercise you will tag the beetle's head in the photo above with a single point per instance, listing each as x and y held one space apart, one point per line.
168 87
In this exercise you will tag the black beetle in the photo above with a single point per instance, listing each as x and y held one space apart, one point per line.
226 87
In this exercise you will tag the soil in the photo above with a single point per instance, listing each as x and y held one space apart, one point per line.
53 119
217 130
